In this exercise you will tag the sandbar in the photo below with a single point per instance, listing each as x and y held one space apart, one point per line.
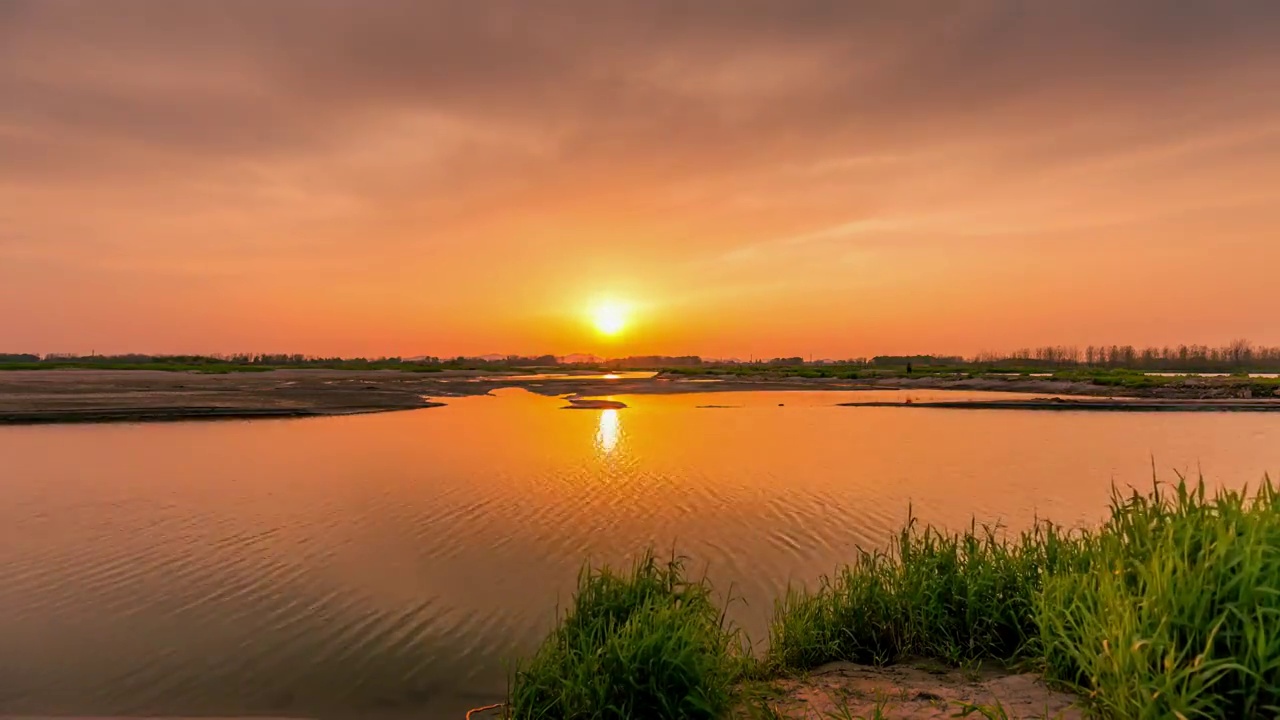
63 396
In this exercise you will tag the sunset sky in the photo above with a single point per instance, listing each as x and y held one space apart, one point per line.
748 178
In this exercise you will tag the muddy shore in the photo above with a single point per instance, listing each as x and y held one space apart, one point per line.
917 691
65 396
61 396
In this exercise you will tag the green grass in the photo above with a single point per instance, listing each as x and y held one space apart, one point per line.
1180 613
1169 609
1139 380
1121 378
840 372
954 597
645 644
1134 379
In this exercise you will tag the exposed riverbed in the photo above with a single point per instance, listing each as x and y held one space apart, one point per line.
57 396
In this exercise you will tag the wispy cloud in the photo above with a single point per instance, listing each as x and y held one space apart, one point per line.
466 154
852 230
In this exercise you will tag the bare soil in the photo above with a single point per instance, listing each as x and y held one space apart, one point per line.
912 692
51 396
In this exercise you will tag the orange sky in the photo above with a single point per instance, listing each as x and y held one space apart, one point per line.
771 178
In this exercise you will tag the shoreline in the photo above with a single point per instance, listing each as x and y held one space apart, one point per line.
50 397
86 396
181 414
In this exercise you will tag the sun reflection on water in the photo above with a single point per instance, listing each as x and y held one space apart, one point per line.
608 432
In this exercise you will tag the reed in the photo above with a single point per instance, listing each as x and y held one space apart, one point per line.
955 597
1169 609
648 643
1180 615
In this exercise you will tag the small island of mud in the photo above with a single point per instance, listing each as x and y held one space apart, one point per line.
593 404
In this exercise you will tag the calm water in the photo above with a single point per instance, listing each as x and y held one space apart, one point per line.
394 563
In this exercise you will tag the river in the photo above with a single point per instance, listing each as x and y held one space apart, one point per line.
395 564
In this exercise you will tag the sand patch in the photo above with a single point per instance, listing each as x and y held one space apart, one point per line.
910 692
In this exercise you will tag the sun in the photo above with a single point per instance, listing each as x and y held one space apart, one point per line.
610 318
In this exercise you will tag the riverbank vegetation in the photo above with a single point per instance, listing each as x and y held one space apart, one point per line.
220 364
1239 356
1170 609
1118 382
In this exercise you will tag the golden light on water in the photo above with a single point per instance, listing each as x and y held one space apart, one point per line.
608 432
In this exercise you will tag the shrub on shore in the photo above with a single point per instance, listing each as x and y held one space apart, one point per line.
1171 609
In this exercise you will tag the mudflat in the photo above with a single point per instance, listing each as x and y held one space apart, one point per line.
58 396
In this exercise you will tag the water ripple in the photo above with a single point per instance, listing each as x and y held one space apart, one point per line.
394 564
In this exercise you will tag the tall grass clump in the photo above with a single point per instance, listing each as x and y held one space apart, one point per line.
1180 616
955 597
1171 609
645 644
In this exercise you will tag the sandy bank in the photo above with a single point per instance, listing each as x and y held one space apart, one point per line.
924 690
69 396
915 692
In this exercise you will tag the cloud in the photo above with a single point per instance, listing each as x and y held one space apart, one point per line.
401 135
242 78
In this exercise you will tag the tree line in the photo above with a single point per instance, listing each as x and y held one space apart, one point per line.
1238 355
